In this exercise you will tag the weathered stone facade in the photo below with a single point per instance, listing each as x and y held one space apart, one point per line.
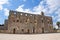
20 22
24 23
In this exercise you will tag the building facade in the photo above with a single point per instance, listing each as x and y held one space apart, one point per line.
20 22
26 23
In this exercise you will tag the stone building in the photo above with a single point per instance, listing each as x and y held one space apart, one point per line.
24 23
4 27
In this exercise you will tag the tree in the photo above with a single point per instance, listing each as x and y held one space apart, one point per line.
58 23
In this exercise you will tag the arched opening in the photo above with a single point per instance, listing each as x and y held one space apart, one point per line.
28 31
42 30
14 31
33 30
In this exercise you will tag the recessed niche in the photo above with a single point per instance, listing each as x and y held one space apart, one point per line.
17 20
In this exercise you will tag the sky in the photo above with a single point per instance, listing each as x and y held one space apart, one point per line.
49 7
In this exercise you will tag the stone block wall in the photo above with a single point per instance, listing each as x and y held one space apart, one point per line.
20 22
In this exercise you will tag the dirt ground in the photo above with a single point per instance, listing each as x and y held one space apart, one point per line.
52 36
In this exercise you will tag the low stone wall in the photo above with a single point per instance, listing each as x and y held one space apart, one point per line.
3 31
6 31
58 31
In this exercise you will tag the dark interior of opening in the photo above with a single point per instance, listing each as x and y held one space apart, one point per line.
14 31
42 30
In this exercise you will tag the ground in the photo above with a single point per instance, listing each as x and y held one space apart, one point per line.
50 36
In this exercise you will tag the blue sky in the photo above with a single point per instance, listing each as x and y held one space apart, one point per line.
49 7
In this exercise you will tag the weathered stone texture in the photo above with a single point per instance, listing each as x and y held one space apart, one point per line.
20 22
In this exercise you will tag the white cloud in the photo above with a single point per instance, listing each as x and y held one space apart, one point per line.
53 5
1 7
20 8
58 16
3 2
6 12
38 8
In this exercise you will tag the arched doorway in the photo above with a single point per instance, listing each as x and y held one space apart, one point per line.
42 30
28 31
14 31
33 30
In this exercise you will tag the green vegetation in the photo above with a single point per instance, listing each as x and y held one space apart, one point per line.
58 23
